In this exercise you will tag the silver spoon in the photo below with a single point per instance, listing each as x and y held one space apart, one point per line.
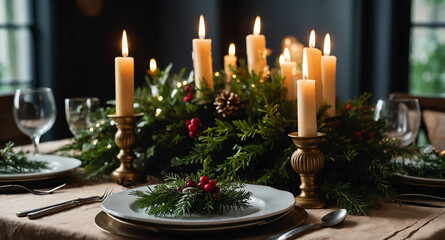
329 220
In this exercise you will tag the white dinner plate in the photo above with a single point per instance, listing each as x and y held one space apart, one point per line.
56 166
264 202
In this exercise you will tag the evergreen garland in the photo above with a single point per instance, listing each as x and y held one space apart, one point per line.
253 145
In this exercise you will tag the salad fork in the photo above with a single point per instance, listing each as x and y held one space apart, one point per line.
40 212
33 191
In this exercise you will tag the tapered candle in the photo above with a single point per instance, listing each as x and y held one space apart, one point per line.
307 114
202 57
288 68
328 69
124 78
153 65
230 60
314 67
256 49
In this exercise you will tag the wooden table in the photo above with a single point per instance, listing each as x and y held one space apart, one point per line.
390 222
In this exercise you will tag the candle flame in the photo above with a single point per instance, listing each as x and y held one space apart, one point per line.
327 45
202 27
232 49
153 65
281 59
286 54
312 39
124 44
305 69
257 26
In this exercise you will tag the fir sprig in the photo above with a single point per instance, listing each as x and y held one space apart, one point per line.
11 162
169 200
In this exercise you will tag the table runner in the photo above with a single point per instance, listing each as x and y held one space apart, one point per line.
391 222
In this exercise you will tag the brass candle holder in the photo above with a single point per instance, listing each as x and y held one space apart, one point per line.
307 161
125 139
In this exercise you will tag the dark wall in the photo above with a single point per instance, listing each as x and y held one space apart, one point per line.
80 59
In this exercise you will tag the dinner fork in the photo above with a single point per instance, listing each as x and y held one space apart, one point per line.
40 212
34 191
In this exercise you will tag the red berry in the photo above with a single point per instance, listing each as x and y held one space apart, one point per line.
193 128
190 184
187 122
192 134
204 179
187 98
212 182
348 106
208 187
370 135
196 121
216 189
201 185
188 89
363 130
358 134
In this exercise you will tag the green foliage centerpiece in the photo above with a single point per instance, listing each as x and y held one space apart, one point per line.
243 134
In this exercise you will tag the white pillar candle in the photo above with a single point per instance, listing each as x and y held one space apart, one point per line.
256 49
230 60
328 69
124 78
288 69
202 57
314 67
307 115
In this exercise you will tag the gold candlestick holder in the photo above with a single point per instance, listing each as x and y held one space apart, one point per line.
307 161
125 139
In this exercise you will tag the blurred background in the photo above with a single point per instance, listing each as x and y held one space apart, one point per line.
382 46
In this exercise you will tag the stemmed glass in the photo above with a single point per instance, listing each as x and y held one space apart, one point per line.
401 117
34 112
78 112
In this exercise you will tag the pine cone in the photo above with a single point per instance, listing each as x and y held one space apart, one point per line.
228 104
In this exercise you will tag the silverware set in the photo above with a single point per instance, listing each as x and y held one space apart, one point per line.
43 211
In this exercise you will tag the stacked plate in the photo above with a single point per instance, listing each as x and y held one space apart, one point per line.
57 166
123 216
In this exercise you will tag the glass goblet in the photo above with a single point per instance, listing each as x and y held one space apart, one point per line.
401 118
34 112
78 112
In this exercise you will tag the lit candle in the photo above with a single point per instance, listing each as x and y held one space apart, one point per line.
202 57
230 60
288 69
307 114
314 66
256 49
153 65
328 69
124 76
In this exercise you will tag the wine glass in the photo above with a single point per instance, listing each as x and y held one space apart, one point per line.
34 112
78 112
401 117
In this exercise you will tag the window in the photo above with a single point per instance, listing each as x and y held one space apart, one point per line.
427 47
16 45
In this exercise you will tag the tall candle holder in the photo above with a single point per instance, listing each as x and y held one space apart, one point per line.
307 161
125 139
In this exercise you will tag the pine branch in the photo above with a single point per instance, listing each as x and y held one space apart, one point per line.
11 162
170 198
